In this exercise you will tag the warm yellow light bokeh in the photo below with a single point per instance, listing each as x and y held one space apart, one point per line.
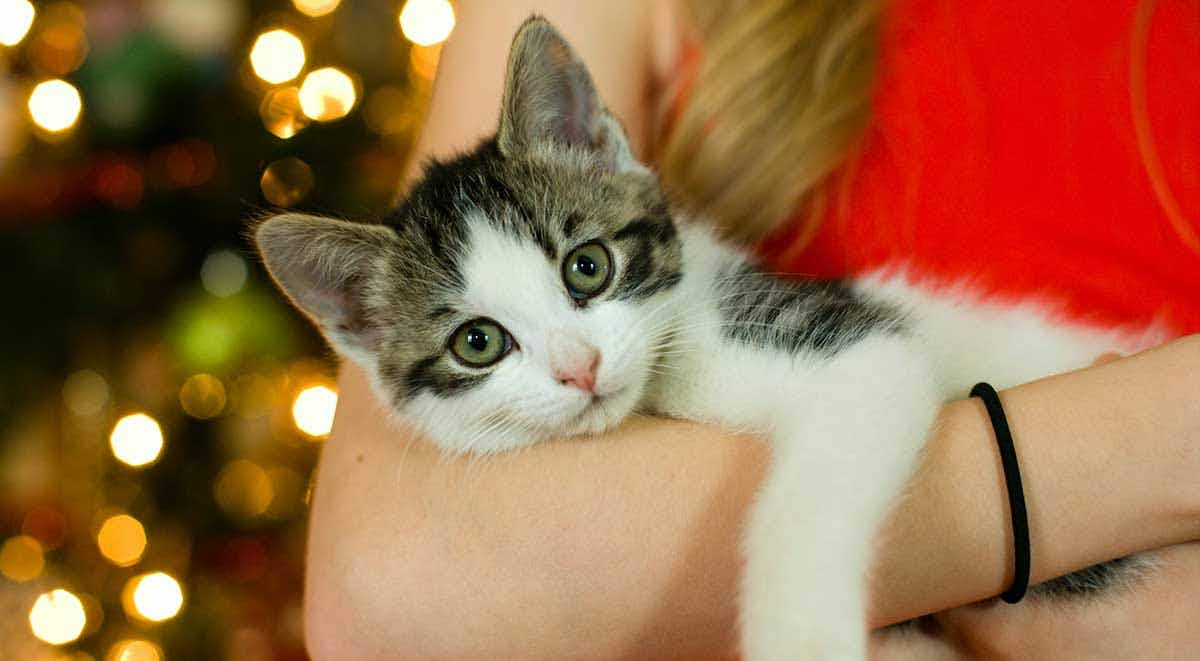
21 558
134 650
316 8
427 22
136 440
287 181
277 56
243 489
55 105
122 540
15 18
202 396
390 110
327 94
153 597
313 410
281 113
424 60
57 617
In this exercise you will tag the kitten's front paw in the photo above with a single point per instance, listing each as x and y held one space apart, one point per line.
801 601
800 638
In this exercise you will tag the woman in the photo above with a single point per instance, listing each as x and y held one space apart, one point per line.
626 546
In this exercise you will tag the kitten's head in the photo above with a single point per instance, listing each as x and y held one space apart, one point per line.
520 291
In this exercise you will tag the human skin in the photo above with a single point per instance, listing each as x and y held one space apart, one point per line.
625 545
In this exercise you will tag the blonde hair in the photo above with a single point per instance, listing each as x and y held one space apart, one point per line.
782 93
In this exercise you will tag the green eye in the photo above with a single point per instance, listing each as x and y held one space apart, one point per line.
587 270
480 343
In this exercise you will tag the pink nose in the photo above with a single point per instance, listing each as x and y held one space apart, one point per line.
581 373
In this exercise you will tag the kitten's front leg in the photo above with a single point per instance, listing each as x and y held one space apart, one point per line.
840 460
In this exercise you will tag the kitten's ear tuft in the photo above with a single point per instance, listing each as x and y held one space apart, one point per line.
323 265
550 99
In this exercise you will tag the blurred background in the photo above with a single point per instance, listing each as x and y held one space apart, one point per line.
161 407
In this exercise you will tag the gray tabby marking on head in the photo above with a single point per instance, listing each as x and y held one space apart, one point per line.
559 172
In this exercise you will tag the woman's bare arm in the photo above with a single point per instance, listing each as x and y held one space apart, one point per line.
626 545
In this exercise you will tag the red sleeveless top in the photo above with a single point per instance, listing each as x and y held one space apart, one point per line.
1034 147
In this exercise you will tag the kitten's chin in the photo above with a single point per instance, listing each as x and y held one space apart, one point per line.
604 413
460 436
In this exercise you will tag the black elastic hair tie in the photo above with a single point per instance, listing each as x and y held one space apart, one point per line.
1016 494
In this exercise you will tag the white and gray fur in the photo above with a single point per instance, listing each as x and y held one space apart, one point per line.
843 377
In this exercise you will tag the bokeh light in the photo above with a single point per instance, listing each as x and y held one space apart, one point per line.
185 164
252 396
136 440
55 105
243 489
57 617
390 111
201 29
288 491
119 181
223 273
313 410
15 18
316 8
327 94
122 540
46 524
277 56
153 597
287 181
85 392
58 43
134 650
424 60
21 558
281 113
202 396
427 22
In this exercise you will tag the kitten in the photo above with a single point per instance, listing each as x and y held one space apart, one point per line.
541 286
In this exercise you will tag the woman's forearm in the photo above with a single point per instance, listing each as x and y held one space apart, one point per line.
613 547
1105 455
626 545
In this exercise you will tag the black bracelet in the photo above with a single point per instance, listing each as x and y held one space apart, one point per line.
1016 494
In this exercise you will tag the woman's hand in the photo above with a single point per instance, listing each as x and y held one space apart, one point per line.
1154 618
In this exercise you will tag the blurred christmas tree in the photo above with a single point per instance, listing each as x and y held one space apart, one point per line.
160 406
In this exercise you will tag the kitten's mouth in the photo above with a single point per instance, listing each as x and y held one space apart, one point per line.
599 399
596 402
598 414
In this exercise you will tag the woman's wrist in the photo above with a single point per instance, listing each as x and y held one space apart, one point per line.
1108 455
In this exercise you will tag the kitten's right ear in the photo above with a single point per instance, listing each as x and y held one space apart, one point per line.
550 99
324 265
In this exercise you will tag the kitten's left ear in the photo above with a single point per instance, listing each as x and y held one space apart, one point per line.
549 99
325 267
